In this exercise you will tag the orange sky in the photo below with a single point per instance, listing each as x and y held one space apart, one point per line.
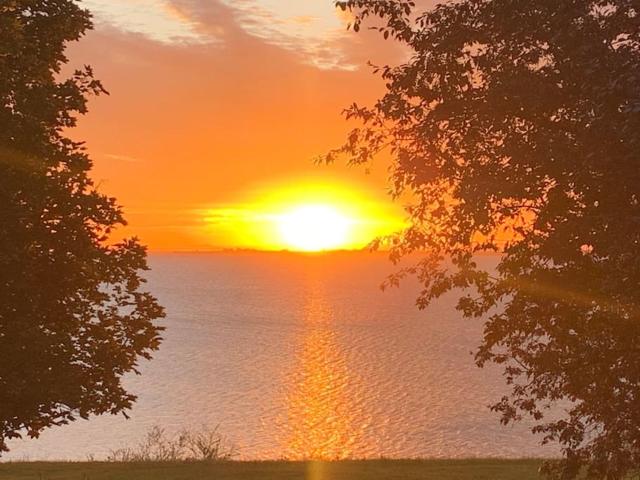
218 105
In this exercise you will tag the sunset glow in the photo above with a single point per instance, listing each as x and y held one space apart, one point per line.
259 87
314 227
301 215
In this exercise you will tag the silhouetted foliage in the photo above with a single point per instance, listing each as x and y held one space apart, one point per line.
515 127
73 319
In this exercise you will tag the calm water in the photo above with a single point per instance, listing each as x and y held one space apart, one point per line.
297 356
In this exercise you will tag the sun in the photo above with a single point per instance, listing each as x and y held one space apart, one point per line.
302 215
313 228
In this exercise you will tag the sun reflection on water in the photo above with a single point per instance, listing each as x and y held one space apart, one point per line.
321 420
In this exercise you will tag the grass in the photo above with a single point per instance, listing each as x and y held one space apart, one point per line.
345 470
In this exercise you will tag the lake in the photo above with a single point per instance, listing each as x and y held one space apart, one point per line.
301 355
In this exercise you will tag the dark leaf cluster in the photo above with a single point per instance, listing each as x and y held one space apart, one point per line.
74 317
515 128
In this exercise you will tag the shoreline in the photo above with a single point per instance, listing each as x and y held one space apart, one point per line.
414 469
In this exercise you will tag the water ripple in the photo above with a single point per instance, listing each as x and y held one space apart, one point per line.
304 357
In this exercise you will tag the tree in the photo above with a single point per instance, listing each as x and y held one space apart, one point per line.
73 316
514 127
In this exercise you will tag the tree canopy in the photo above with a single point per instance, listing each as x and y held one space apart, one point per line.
515 128
73 315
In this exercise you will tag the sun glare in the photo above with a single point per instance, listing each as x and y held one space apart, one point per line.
302 215
313 228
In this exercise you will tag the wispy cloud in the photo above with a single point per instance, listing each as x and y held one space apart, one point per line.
234 215
312 28
157 20
122 158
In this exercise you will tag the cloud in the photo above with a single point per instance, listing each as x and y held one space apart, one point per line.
234 215
314 31
312 28
157 20
317 31
122 158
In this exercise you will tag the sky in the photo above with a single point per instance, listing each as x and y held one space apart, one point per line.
216 111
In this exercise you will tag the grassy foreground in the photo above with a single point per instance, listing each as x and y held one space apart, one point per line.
347 470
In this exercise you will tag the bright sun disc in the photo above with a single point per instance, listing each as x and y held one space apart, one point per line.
314 228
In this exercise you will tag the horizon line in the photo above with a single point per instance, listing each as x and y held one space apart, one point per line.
257 250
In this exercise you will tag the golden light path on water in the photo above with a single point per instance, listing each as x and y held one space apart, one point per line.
320 414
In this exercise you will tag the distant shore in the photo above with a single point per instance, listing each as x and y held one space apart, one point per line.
494 469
